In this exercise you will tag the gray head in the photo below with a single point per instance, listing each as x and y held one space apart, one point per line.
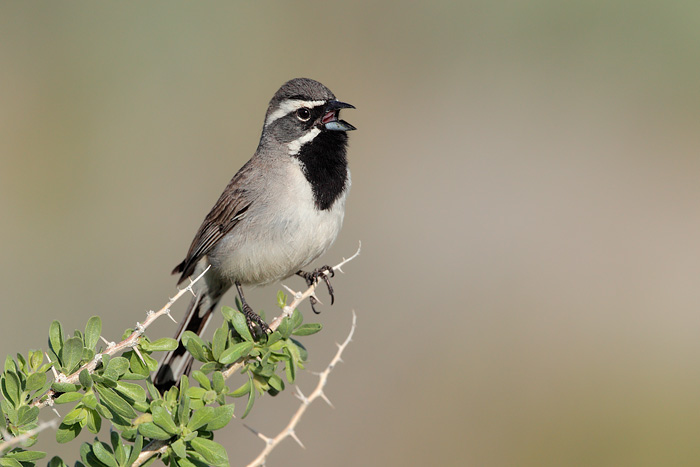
302 123
301 110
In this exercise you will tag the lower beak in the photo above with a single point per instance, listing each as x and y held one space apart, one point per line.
330 120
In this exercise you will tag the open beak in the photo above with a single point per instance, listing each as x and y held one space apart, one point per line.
330 118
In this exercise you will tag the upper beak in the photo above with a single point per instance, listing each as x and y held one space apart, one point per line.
330 118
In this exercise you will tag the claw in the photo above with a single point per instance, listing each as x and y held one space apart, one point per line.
251 317
327 280
313 277
313 302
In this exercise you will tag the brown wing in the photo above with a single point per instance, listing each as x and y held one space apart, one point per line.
223 217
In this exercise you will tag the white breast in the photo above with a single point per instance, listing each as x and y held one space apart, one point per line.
281 233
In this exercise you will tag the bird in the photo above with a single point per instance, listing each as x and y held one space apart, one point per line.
282 210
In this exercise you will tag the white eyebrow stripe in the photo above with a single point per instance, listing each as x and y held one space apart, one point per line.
289 106
295 146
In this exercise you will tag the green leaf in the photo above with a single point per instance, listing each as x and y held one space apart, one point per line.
195 345
85 379
218 380
141 406
129 376
10 364
136 365
251 401
117 366
161 345
183 410
209 397
227 311
77 415
307 329
219 341
94 421
133 391
281 299
104 454
200 418
243 390
211 451
36 357
35 381
179 448
209 367
184 385
135 450
9 411
299 351
163 419
89 400
93 329
276 382
201 378
66 433
88 354
285 328
153 431
118 447
235 352
241 326
153 393
196 393
115 402
71 354
56 337
297 318
26 456
290 367
85 451
222 415
273 338
11 388
57 462
65 387
27 414
68 397
103 411
9 462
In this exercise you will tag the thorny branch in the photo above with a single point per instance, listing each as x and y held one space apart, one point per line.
289 430
159 447
289 309
12 441
113 348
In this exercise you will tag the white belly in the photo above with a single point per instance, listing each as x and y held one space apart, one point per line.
277 237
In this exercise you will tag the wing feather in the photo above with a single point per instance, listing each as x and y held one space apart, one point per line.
230 208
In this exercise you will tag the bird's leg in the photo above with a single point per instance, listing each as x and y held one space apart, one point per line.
251 316
313 277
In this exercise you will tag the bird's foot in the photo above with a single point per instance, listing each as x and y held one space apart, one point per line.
254 320
325 273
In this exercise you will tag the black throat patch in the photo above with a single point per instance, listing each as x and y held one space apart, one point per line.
325 166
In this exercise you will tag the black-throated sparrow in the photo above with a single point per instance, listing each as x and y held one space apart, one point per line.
281 211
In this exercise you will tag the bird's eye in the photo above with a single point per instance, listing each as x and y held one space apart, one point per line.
303 114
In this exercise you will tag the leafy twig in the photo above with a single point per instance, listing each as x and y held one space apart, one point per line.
289 430
159 446
113 348
12 441
289 309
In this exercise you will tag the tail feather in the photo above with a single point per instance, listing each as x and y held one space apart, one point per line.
178 362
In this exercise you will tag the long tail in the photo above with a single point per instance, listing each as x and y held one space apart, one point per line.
178 362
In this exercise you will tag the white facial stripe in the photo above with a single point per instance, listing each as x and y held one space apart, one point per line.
289 106
295 146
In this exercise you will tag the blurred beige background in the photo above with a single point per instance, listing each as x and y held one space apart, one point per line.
525 187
